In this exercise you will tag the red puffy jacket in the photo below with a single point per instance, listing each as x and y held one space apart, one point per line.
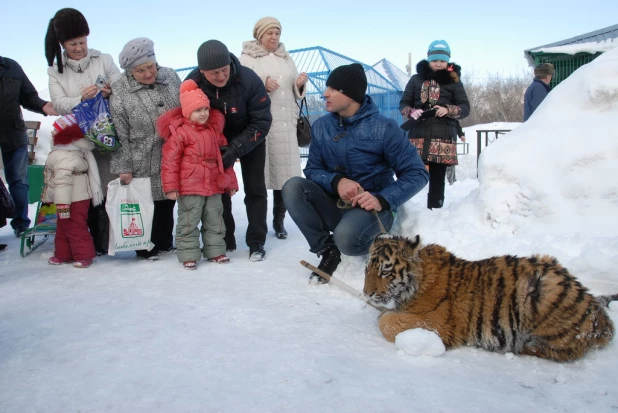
191 158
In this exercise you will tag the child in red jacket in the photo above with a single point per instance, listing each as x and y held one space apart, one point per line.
192 172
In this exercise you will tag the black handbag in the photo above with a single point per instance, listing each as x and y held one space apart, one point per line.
7 206
303 127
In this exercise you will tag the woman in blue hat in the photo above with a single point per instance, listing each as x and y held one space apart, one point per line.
435 89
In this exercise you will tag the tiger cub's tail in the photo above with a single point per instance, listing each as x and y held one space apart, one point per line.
604 300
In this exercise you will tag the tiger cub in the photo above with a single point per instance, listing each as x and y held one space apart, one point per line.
530 306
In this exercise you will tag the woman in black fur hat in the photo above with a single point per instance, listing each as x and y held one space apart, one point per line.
72 79
436 86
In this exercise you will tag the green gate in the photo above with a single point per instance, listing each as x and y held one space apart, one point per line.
563 64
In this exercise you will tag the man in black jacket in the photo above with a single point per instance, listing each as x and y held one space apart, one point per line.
240 95
16 90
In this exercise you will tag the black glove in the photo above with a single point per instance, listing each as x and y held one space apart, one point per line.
228 156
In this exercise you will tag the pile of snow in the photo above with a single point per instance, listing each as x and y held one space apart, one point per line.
560 166
419 342
466 169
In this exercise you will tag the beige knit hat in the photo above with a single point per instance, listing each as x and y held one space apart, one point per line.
263 25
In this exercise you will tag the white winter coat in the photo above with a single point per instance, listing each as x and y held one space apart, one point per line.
66 174
282 154
65 92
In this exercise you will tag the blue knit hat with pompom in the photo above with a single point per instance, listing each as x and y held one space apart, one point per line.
439 50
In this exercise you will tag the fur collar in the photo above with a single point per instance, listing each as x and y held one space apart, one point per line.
443 77
255 49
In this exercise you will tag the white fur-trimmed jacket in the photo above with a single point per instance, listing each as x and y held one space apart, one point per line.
66 174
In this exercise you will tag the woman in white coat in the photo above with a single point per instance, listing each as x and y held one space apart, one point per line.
72 79
267 56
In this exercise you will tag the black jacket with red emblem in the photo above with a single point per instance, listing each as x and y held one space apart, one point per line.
244 103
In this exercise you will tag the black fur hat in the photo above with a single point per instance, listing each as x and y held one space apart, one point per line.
67 24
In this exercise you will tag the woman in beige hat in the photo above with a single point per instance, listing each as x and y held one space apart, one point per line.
267 56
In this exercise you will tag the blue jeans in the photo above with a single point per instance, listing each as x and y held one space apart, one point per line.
316 214
16 172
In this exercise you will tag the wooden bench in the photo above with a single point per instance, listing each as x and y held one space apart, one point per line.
32 128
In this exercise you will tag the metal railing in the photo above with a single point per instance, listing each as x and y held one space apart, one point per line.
479 138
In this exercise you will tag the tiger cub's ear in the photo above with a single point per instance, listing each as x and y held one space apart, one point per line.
410 248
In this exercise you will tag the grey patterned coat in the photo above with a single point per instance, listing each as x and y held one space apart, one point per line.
135 108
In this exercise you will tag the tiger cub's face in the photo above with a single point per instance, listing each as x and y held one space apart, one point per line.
389 274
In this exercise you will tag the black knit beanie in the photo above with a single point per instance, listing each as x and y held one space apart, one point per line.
212 55
67 24
349 80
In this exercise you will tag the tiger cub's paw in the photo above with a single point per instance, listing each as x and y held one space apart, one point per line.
390 325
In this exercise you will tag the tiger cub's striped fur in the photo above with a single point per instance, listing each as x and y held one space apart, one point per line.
529 306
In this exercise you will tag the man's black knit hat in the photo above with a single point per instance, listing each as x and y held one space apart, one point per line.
349 80
213 55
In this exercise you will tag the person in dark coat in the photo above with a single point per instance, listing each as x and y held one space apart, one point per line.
355 154
16 90
538 89
240 95
436 88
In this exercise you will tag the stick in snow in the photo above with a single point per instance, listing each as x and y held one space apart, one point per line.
340 284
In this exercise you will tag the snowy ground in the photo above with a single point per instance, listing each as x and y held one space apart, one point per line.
128 335
136 336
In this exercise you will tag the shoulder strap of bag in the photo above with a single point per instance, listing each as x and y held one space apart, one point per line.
303 103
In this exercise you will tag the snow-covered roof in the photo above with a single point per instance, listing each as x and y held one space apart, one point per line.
596 36
397 76
590 47
596 41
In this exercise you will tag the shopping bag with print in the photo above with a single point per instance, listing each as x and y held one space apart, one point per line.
94 120
130 209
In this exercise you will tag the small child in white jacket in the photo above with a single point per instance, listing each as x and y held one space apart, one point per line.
71 181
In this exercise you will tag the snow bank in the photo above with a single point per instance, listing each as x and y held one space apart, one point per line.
560 166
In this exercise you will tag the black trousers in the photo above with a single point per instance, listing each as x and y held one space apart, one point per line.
98 224
256 200
162 235
437 173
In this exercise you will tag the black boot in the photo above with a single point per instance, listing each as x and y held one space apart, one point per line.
257 253
331 257
434 201
435 197
279 215
230 225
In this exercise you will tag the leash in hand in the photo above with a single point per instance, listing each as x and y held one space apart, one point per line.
341 204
